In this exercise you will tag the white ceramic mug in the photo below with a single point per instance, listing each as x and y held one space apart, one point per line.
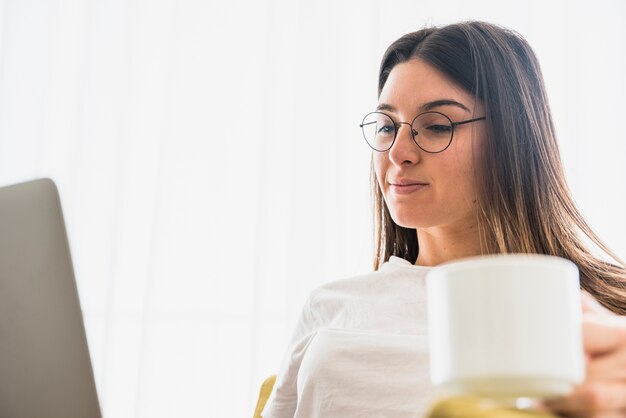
505 326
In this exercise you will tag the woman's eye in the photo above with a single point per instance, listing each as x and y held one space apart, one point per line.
439 129
386 130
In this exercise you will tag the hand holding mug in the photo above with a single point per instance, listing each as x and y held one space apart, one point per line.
603 393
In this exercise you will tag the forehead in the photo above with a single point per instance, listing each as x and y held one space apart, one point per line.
415 82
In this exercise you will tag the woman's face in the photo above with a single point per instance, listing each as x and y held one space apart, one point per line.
448 195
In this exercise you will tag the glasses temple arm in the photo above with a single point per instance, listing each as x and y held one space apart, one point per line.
468 121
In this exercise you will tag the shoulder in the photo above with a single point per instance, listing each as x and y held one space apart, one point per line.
394 276
395 268
350 285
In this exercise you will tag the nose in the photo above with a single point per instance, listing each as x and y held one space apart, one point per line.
404 150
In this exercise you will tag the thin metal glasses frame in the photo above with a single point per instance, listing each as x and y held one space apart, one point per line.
414 134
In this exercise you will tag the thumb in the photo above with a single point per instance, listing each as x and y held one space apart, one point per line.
602 334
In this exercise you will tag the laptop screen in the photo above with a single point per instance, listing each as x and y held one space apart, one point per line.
45 368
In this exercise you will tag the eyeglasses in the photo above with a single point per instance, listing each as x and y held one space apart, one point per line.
431 131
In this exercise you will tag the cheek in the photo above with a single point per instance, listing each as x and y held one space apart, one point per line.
460 178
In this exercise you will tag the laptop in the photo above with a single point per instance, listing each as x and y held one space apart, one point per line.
45 368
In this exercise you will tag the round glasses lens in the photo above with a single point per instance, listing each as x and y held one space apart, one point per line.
378 130
433 131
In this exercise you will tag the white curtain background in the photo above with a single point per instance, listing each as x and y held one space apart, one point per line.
213 173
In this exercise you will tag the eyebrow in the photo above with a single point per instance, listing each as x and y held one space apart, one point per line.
427 106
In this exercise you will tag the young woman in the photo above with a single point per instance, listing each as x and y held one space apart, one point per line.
465 162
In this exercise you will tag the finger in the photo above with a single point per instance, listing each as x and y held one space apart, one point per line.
590 304
601 414
610 366
610 414
603 335
591 398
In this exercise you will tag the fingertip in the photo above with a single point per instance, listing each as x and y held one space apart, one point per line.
552 405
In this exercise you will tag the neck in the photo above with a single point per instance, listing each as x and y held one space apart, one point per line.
440 244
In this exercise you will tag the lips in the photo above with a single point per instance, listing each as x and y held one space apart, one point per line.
403 186
403 190
407 182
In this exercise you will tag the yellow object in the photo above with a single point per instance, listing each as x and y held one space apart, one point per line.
264 394
468 407
458 407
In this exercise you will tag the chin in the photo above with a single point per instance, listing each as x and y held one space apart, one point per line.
409 220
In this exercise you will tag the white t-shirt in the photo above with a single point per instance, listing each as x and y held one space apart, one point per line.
360 349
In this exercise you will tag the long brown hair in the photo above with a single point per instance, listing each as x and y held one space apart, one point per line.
524 203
